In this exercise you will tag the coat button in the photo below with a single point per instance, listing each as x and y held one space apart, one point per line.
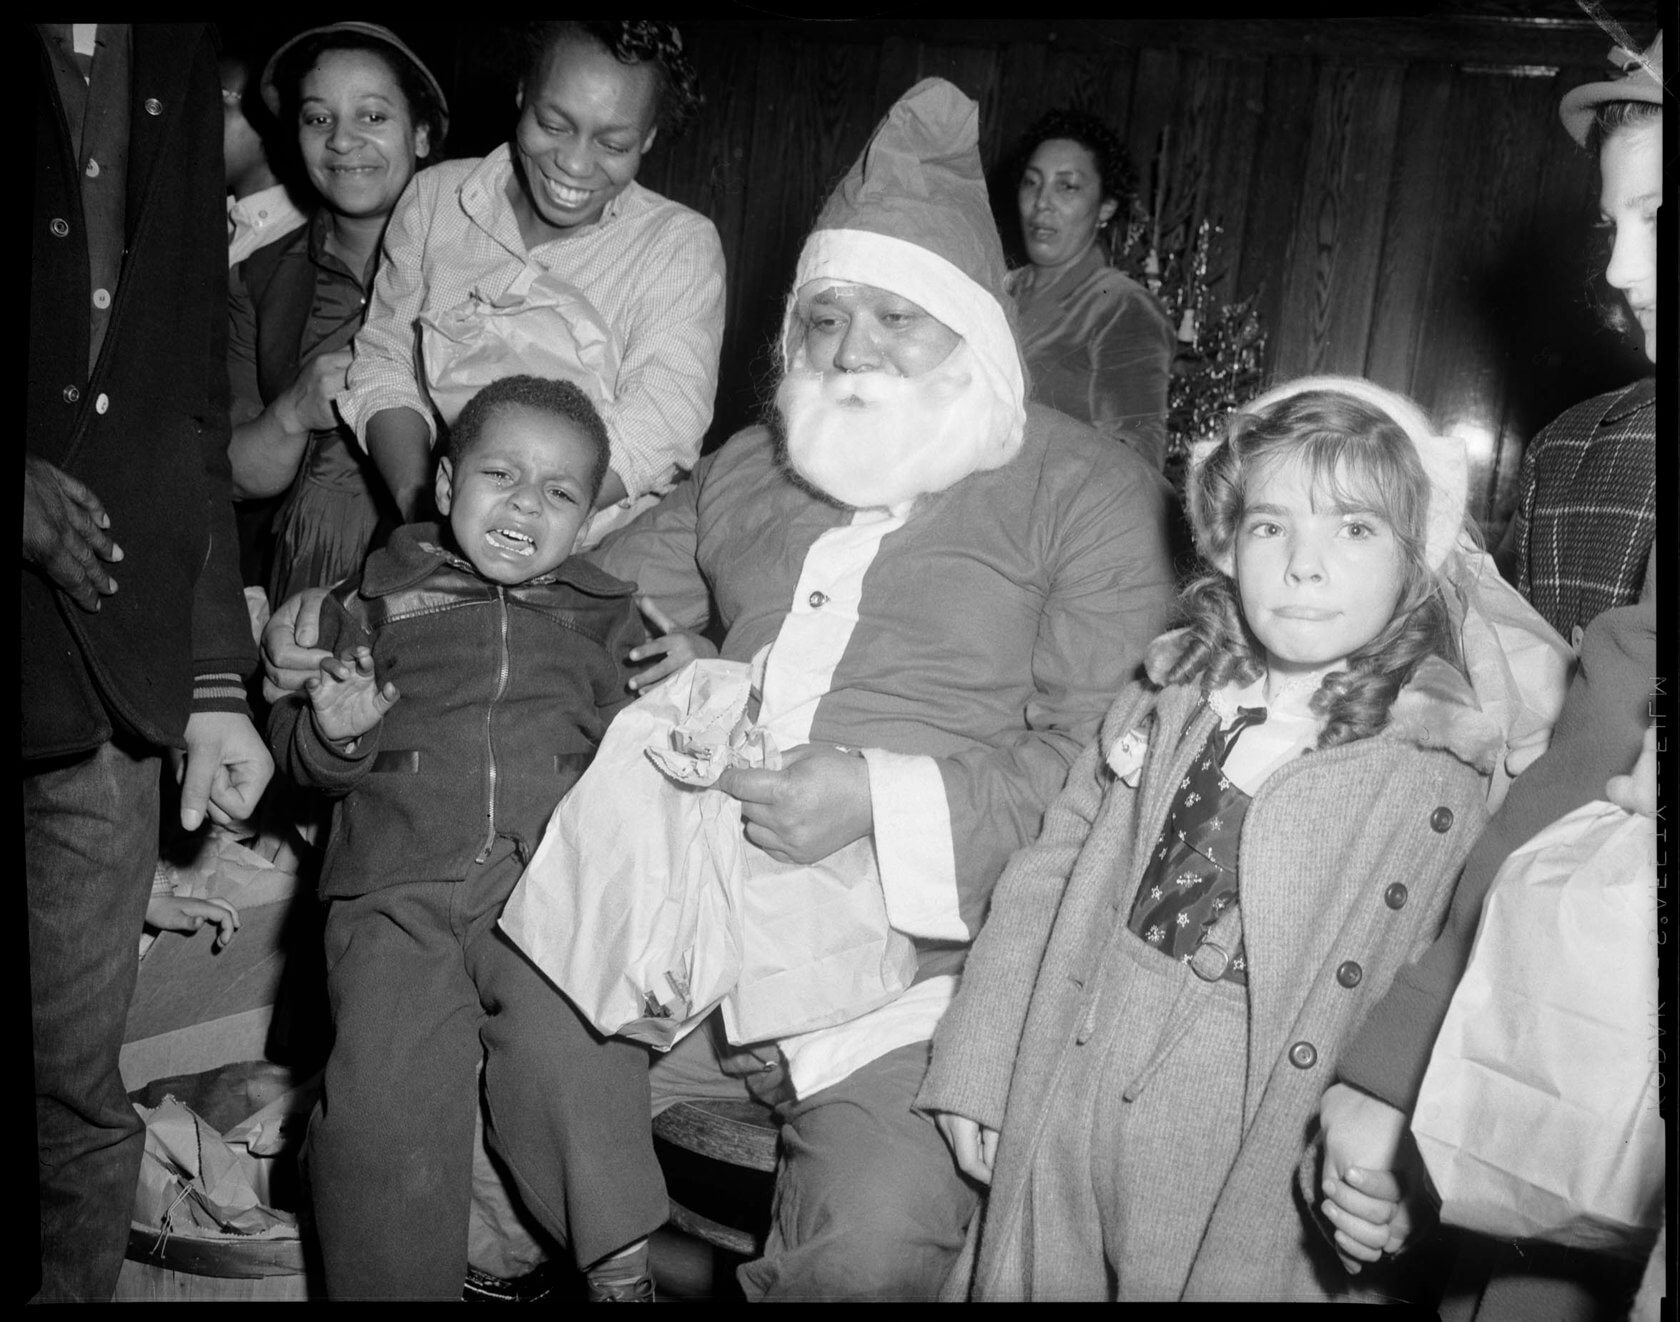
1440 821
1395 896
817 600
153 106
1349 973
102 404
59 226
102 298
1303 1055
71 394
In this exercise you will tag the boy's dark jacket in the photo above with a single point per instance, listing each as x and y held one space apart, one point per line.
505 693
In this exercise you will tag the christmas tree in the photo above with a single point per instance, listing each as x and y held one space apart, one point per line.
1219 365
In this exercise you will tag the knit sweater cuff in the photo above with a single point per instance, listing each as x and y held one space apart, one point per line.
219 686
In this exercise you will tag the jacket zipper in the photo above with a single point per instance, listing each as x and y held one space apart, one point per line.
489 742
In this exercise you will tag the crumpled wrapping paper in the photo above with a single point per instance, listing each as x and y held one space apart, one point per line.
1538 1116
541 325
646 905
195 1182
1519 666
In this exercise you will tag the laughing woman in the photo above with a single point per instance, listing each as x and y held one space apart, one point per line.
366 112
1098 345
560 203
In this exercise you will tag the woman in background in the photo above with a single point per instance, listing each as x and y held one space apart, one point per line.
1098 345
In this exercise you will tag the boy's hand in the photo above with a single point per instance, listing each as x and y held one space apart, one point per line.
677 649
973 1144
1365 1198
347 700
676 646
172 913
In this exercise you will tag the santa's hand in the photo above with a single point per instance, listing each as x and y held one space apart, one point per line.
817 803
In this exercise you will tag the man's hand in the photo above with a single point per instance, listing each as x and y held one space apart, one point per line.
817 803
64 533
289 655
348 701
1365 1198
973 1144
226 768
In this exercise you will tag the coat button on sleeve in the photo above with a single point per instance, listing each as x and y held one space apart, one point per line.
1303 1055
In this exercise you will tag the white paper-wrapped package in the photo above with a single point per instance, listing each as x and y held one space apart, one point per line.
1538 1116
541 325
647 905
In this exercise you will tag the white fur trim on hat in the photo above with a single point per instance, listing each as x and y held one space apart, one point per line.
937 286
1445 461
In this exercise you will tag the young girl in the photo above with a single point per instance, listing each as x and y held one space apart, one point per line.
1264 832
558 208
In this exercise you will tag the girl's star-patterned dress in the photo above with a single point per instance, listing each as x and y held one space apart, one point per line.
1191 880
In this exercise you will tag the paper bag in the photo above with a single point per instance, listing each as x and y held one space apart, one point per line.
1538 1115
647 905
620 906
541 325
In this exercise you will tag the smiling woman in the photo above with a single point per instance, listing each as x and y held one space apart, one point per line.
557 214
366 112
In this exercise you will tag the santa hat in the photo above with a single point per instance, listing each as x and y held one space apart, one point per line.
912 216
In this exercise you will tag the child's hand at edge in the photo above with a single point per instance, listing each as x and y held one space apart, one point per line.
173 913
1636 792
973 1145
1366 1196
346 699
676 646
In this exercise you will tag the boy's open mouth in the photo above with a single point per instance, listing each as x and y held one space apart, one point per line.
514 542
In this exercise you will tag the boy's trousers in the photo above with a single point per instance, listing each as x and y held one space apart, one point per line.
423 986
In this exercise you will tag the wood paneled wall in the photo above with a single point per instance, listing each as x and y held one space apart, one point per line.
1397 194
1398 210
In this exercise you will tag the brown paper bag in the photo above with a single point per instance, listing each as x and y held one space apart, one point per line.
1538 1116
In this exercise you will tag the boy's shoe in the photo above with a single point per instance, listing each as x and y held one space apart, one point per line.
637 1291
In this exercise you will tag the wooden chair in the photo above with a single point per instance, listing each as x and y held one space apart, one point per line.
734 1134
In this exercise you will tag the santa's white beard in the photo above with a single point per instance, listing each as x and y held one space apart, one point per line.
871 439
